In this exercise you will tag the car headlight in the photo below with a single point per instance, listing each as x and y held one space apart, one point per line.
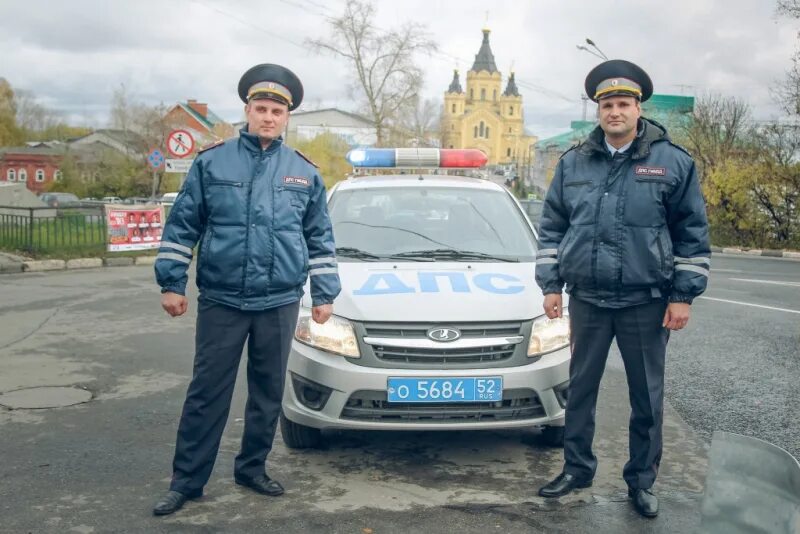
548 335
336 335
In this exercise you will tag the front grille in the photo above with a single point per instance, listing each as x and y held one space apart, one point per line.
442 355
420 330
467 355
517 404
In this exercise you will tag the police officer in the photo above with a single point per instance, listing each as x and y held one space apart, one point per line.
257 209
624 227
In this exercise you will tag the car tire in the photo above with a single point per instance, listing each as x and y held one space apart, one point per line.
297 436
553 436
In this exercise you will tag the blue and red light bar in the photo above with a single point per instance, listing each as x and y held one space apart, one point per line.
417 158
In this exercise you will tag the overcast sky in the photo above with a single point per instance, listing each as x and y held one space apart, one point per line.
73 54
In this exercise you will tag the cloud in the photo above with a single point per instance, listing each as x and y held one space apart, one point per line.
72 55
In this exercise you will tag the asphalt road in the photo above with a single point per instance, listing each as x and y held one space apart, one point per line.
736 367
99 466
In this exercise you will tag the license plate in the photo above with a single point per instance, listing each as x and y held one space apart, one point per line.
445 389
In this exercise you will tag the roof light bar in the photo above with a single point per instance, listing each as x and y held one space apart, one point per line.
436 158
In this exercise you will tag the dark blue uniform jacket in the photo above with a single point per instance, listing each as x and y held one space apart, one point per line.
261 220
622 230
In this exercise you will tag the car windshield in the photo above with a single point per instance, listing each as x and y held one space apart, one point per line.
426 224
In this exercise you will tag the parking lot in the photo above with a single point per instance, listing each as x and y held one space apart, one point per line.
98 466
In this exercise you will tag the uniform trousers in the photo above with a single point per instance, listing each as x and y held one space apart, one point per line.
642 341
219 340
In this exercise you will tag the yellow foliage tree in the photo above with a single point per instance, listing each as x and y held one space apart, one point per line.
327 150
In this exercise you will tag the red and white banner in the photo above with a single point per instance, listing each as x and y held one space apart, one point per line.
134 227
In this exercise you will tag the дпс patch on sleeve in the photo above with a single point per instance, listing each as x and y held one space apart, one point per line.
297 180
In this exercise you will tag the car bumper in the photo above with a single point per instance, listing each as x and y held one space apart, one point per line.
343 381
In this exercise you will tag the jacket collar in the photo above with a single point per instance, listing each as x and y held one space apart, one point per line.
252 143
648 132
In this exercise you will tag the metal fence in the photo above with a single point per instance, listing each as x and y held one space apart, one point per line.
42 230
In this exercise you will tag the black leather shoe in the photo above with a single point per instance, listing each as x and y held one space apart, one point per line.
563 484
262 484
172 502
644 501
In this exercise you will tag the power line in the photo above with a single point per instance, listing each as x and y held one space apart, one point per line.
250 24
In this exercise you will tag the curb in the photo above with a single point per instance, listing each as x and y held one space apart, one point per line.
117 262
34 266
44 265
757 252
84 263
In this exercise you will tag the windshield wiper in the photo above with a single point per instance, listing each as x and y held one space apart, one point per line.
451 253
352 252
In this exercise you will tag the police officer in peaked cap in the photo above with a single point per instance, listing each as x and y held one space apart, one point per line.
624 230
255 212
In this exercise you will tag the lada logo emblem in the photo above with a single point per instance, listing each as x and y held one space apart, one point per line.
444 334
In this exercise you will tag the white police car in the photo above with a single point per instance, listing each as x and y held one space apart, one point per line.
439 324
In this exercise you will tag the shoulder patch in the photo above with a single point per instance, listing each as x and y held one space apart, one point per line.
570 149
305 157
215 144
682 149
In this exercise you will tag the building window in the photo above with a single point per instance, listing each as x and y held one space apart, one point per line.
40 175
481 129
453 108
483 94
451 146
487 132
494 94
509 130
475 135
510 110
471 94
57 175
11 175
23 176
508 152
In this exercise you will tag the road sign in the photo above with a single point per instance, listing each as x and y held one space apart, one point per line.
180 143
155 158
178 165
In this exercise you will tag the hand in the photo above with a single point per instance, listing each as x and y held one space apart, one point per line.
552 305
322 313
677 315
174 304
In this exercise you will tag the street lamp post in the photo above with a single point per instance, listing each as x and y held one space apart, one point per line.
591 43
596 52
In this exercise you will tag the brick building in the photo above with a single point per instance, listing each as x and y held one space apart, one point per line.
36 167
202 123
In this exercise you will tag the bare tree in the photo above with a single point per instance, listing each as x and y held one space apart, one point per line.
387 78
421 119
789 8
787 92
777 188
719 129
122 111
31 115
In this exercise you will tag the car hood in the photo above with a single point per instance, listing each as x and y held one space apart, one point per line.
436 291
